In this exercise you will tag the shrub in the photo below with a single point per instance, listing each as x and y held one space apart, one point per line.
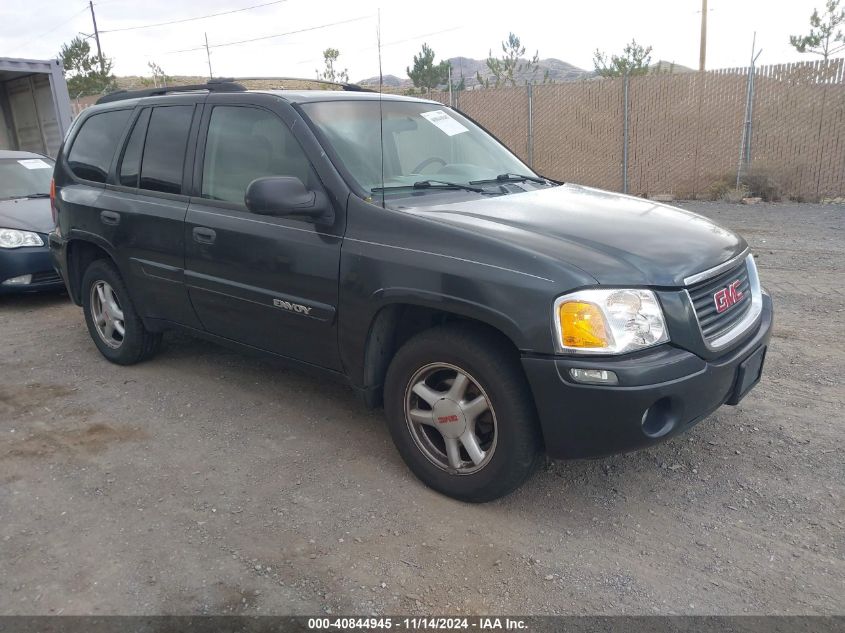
760 182
718 189
724 188
763 183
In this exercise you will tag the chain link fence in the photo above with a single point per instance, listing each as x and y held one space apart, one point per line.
686 134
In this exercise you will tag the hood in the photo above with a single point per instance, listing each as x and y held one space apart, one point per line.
615 238
26 214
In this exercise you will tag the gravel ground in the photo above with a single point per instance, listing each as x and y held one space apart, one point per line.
206 481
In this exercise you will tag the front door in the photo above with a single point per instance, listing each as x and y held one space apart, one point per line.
269 282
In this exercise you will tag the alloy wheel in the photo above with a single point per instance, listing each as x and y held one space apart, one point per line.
107 314
450 418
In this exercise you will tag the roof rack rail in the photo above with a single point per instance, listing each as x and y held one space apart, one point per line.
212 85
343 85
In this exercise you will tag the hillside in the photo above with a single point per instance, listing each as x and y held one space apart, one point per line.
559 71
134 82
468 68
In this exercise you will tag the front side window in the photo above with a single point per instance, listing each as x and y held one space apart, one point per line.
246 143
164 150
93 148
421 141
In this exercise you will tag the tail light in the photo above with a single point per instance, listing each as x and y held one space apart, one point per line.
53 208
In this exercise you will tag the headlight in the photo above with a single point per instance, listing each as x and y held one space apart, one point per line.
13 238
608 321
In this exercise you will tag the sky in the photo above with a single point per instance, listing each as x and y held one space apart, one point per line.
566 30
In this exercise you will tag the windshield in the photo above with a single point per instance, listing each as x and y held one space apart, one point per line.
25 177
422 142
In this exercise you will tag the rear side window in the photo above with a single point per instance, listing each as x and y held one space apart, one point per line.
164 150
130 166
94 146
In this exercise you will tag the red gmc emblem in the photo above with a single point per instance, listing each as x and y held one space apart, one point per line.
445 419
727 297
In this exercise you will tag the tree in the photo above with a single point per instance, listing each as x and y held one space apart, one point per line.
82 69
825 37
330 56
425 74
511 67
635 60
160 78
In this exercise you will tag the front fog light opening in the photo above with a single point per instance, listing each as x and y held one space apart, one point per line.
659 419
23 280
594 376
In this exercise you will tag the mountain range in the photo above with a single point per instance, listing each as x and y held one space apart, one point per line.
468 68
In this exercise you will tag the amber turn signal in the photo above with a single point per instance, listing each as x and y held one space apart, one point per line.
582 325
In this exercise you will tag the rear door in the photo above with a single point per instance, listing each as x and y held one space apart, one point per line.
144 207
269 282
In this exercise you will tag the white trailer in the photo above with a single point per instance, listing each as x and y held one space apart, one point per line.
35 108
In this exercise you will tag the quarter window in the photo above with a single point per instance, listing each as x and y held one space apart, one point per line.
247 143
130 166
164 150
93 149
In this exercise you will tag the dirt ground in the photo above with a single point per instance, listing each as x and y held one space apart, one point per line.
205 481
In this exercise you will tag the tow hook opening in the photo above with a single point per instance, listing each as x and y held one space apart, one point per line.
659 419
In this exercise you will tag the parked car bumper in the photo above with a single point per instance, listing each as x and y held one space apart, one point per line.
660 393
33 261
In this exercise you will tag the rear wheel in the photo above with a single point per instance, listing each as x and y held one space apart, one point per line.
112 321
461 414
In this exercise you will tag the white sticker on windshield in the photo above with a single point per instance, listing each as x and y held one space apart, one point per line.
34 163
446 123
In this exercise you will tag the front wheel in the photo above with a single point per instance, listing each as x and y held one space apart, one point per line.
461 414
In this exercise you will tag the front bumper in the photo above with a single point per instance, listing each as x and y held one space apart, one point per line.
28 260
661 393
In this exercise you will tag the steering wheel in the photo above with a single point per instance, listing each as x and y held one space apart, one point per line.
427 162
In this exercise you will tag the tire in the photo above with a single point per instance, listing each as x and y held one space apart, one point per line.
492 371
136 343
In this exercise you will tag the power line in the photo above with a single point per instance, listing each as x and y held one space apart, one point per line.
393 43
199 17
267 37
60 24
418 37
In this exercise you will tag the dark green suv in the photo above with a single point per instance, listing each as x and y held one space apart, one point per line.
393 244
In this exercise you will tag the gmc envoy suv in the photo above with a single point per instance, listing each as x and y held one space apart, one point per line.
393 244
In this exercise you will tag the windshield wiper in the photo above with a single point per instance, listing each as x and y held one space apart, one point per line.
510 178
432 184
426 184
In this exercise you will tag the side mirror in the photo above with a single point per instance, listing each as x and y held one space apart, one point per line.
286 195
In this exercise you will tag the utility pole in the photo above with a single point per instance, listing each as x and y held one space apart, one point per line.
97 38
208 55
703 50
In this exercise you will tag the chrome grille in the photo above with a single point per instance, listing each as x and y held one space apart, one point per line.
712 322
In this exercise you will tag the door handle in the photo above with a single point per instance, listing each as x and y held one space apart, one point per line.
110 217
203 235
